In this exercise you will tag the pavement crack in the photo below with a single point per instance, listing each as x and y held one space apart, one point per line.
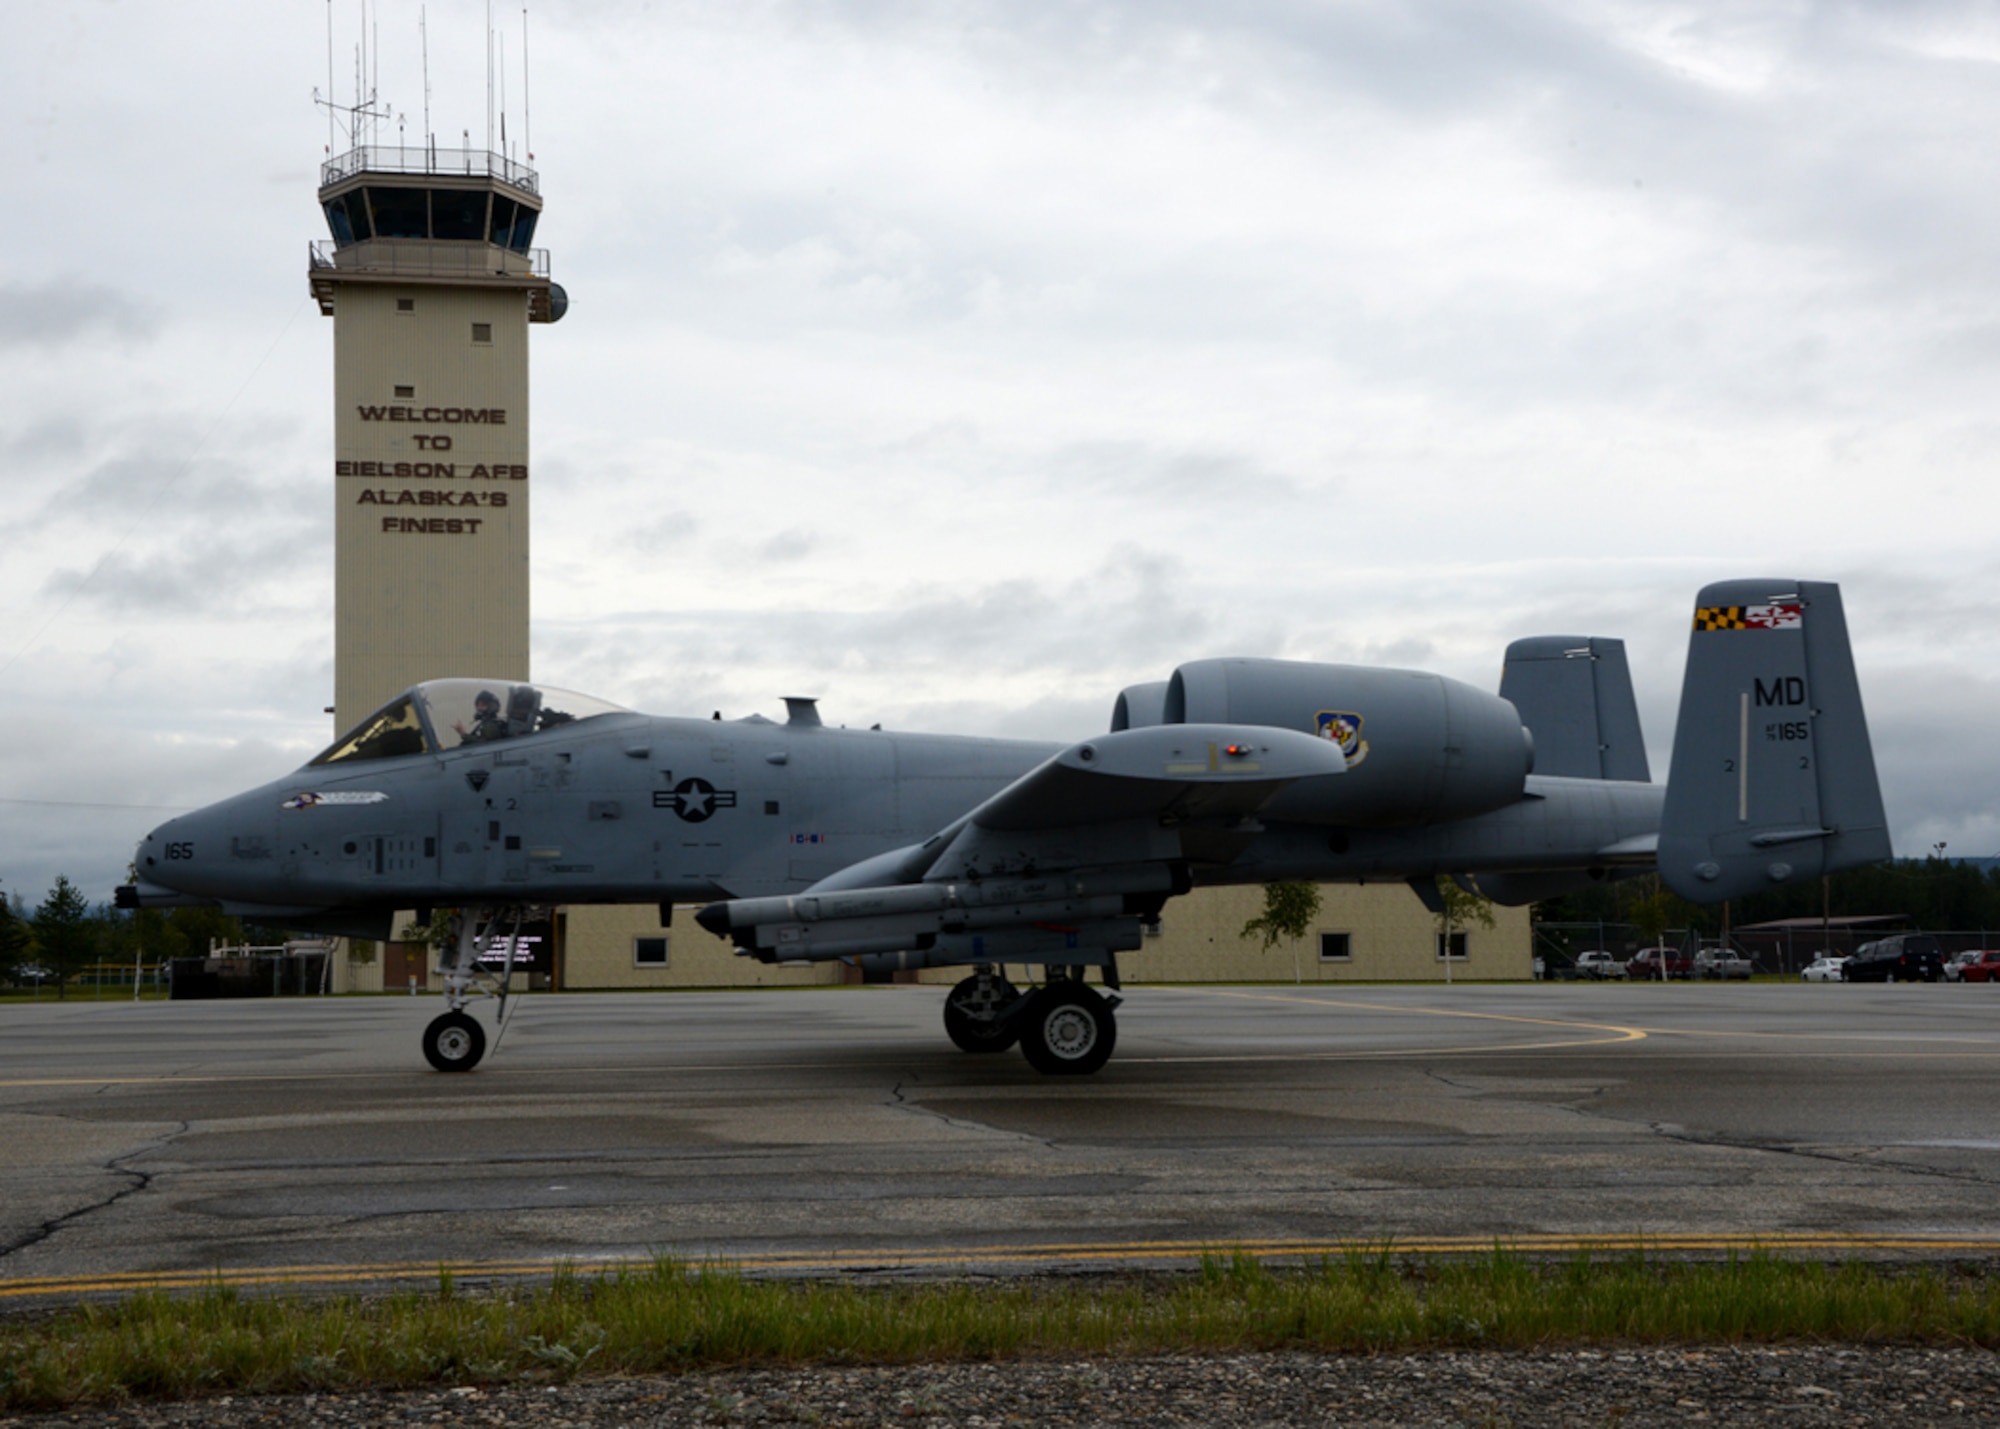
137 1181
1811 1153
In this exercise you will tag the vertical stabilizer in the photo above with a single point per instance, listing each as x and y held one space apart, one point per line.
1773 777
1574 693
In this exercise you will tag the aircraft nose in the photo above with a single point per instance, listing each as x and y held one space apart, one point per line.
165 853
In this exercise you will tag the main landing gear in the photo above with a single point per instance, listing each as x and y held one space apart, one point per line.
1064 1027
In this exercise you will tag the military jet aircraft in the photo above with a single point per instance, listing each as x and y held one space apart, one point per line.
808 843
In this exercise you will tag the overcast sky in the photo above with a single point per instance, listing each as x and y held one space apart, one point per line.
962 363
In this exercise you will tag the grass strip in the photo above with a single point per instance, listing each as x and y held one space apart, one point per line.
673 1317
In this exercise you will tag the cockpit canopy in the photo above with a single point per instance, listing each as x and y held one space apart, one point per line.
442 715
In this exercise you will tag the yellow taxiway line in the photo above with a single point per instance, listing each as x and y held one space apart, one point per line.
1053 1256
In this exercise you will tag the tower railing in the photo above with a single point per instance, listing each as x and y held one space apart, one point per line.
420 159
428 258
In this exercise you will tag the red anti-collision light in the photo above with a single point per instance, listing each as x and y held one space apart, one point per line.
1236 750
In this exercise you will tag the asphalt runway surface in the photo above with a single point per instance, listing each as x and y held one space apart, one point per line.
305 1140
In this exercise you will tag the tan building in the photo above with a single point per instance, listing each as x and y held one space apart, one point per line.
1373 933
431 283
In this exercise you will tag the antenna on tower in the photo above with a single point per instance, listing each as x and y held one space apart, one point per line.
375 66
500 40
424 35
489 76
364 113
527 112
329 79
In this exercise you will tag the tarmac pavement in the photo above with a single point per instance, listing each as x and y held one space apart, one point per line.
305 1139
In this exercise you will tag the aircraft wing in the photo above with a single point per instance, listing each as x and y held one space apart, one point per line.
1100 833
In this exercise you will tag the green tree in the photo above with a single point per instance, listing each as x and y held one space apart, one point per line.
1290 909
1459 908
17 939
64 933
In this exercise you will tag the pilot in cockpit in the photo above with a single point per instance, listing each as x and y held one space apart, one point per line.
486 721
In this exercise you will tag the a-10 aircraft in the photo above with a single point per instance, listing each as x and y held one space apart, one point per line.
808 843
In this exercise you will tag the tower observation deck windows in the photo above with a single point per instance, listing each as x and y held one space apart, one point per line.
448 214
399 213
456 213
342 224
513 224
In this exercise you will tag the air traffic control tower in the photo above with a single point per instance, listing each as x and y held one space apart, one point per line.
431 281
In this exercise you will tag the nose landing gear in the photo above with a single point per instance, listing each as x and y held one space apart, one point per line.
454 1042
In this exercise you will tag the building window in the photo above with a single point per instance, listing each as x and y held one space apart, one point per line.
1336 947
770 807
1152 929
482 332
404 389
1457 947
649 952
406 305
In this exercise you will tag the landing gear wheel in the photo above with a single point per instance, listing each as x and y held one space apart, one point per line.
971 1015
454 1043
1066 1030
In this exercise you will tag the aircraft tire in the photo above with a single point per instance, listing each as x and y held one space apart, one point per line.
970 1033
454 1043
1067 1030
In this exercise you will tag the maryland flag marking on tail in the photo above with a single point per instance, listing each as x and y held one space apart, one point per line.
1749 617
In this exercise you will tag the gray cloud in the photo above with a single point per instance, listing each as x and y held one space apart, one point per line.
59 311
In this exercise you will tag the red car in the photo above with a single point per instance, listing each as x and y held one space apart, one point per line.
1983 967
1646 966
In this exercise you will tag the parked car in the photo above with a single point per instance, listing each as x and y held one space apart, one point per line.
1822 969
1646 964
1906 957
1598 964
1719 963
1980 966
1956 961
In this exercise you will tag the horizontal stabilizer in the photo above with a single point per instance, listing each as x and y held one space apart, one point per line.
1773 778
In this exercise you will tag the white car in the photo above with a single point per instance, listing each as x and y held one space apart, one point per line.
1598 964
1822 970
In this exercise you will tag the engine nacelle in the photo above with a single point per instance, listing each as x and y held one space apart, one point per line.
1419 747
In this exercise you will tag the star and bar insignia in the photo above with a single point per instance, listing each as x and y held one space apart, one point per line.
1749 617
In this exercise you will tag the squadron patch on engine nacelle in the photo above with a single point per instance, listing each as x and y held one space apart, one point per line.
1343 727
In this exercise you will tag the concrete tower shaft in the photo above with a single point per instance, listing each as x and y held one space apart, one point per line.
431 280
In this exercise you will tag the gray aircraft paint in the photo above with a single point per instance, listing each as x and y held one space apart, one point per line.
809 842
1574 693
1773 778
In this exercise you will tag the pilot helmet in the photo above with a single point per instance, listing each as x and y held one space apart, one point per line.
486 703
